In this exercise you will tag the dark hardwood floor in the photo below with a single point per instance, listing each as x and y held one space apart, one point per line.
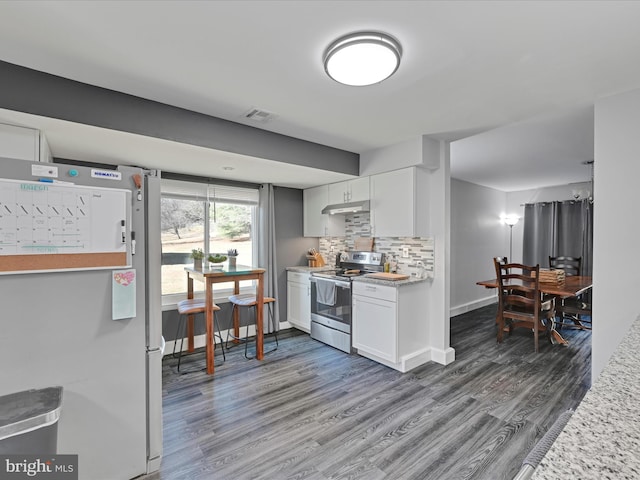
309 411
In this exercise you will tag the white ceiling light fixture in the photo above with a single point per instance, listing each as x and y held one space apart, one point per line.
362 58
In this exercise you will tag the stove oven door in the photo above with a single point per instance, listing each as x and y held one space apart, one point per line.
336 313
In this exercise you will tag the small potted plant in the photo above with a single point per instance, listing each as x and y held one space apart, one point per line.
216 260
198 255
232 254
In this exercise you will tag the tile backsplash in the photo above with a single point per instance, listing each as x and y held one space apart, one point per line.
358 225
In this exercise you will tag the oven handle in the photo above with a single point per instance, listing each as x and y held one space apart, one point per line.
338 283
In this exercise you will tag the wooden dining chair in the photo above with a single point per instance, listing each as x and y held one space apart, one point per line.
520 302
501 259
570 265
574 312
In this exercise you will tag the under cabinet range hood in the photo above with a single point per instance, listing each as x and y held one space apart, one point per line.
352 207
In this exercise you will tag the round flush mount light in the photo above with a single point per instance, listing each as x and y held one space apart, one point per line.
362 58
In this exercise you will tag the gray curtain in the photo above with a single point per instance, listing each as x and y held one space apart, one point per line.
558 228
267 252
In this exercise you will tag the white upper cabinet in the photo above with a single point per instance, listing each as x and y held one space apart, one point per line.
355 190
317 224
22 143
399 205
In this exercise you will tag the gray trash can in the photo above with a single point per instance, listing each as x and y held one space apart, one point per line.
29 421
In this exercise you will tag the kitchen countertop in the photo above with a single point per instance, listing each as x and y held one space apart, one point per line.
602 438
390 283
363 278
305 269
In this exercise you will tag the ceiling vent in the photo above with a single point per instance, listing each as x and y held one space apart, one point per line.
257 115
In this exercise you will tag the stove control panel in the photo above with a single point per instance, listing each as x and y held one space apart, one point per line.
369 258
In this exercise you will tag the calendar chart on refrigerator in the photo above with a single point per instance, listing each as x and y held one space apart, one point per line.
39 218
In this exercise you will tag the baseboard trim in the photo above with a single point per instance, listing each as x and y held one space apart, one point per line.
406 363
443 357
409 362
467 307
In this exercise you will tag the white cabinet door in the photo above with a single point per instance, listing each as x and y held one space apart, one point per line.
392 208
20 143
315 223
359 189
338 193
390 324
375 328
398 203
299 302
315 199
349 191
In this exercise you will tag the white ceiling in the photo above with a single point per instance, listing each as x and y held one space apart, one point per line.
467 67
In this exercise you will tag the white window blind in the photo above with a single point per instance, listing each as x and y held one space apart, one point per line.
210 191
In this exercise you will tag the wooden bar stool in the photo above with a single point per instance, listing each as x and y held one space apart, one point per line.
249 300
194 306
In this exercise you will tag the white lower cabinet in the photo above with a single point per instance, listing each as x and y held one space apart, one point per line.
375 320
390 324
299 300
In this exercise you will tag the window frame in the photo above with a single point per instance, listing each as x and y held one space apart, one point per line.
170 300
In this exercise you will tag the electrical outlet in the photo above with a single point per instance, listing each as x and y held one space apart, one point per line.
405 251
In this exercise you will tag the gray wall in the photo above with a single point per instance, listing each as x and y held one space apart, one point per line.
170 322
291 245
477 235
38 93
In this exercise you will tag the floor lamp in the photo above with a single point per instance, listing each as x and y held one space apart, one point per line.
511 220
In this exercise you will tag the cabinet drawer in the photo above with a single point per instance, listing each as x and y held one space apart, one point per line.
381 292
298 277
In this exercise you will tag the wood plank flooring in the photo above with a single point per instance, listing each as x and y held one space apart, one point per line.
309 411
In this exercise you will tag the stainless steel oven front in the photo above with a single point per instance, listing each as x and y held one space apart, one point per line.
331 321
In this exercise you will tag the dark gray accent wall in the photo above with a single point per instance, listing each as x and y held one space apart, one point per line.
38 93
291 244
170 322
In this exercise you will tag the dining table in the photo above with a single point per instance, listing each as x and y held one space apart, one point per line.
224 274
572 286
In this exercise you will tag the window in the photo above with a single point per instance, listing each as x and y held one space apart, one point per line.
215 218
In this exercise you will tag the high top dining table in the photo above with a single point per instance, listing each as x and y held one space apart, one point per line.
572 287
224 275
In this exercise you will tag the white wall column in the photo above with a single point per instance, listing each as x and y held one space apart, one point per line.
616 228
439 293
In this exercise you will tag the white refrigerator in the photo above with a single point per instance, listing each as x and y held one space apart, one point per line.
57 329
